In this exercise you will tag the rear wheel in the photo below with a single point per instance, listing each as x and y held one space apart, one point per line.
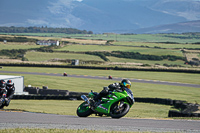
119 109
84 110
2 105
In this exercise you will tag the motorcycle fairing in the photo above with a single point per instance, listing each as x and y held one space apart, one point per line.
109 100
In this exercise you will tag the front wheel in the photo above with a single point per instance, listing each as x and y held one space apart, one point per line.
119 109
2 103
84 110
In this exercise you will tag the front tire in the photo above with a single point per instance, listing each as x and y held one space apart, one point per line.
117 112
84 110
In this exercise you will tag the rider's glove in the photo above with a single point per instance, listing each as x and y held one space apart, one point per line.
2 99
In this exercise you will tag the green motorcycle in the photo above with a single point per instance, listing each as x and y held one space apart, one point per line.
116 104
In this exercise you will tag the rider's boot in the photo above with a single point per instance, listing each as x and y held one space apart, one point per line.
94 103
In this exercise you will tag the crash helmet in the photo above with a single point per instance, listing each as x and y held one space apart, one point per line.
126 83
9 84
2 83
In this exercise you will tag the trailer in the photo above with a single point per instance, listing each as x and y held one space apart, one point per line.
18 83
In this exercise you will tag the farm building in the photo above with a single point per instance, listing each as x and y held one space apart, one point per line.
18 82
48 42
75 62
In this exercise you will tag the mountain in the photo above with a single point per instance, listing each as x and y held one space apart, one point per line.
119 16
189 26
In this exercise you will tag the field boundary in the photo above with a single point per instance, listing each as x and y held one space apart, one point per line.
102 68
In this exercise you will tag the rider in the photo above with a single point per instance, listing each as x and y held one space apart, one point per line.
3 91
10 91
125 83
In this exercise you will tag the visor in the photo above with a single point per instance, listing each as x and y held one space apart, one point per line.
127 85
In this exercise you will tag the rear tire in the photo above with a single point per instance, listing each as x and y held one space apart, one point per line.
116 112
83 110
1 107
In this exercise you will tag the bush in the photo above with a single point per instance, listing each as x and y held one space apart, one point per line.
102 55
166 65
12 52
195 59
24 59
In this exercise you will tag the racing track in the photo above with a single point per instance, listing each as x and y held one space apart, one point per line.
106 78
39 120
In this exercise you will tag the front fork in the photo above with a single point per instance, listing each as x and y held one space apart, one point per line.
85 99
118 107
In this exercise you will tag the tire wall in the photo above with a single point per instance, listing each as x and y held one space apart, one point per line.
102 68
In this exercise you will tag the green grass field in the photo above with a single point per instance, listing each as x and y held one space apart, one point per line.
141 37
44 56
124 60
16 45
161 45
147 48
189 94
151 51
118 37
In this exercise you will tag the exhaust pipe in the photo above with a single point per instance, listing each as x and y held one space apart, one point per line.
85 99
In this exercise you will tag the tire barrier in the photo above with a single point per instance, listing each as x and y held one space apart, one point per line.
45 97
101 68
173 113
155 101
185 109
45 91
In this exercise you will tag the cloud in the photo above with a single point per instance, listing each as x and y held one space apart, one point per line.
78 0
61 6
62 12
12 24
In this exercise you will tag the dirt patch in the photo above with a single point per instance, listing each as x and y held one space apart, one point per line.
84 41
189 56
20 43
127 63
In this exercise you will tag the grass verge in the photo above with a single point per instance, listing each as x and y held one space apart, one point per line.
26 130
67 107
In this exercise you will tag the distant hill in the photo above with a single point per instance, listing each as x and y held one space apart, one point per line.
189 26
119 16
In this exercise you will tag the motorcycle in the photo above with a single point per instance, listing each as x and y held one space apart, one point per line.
109 77
65 74
116 104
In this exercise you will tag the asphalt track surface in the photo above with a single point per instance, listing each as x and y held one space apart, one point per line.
106 78
39 120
